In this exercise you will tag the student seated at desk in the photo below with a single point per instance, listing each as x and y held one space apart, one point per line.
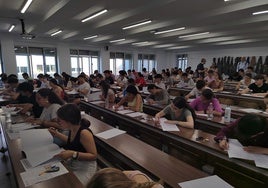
50 103
200 104
27 100
197 90
133 99
180 113
114 178
251 131
106 92
217 84
157 95
259 87
247 80
80 151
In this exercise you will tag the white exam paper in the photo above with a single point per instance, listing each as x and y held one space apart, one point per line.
207 182
167 126
110 133
135 114
31 176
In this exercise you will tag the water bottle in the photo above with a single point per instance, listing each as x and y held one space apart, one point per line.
227 114
210 111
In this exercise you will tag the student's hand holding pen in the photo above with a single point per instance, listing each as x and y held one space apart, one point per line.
223 143
53 131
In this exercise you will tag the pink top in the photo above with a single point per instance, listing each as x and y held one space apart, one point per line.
198 105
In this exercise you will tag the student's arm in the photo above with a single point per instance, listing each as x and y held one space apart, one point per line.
54 132
244 91
217 108
159 115
256 149
121 102
189 123
87 140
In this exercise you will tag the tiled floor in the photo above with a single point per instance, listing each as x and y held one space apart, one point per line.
5 181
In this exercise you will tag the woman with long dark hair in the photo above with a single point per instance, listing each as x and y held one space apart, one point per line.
107 92
179 112
80 150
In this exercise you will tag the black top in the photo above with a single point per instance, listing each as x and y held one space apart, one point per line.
36 109
256 89
76 144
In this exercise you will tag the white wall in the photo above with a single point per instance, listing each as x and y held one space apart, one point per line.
165 59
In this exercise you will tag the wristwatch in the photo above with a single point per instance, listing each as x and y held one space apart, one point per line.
75 155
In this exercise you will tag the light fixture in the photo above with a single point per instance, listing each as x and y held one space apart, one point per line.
94 15
11 28
91 37
118 40
193 35
260 12
170 30
26 6
57 32
226 0
137 24
140 43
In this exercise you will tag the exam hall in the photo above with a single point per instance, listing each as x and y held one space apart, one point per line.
143 75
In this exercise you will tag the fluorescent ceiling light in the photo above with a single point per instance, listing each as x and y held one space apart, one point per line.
140 43
94 15
226 0
11 28
57 32
170 30
178 47
91 37
138 24
118 40
261 12
26 6
193 35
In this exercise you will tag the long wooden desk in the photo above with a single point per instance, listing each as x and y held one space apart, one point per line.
183 145
211 126
127 152
68 180
234 99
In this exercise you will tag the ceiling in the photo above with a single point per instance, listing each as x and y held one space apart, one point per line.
228 23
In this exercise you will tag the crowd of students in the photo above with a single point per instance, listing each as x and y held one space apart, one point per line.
49 108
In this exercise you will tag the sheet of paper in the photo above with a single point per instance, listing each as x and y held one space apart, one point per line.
124 111
202 115
250 110
22 126
167 126
110 133
136 114
94 96
261 160
207 182
73 92
97 102
236 150
93 89
38 146
32 176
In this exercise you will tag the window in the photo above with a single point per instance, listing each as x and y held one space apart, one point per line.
120 61
146 61
182 61
84 61
35 60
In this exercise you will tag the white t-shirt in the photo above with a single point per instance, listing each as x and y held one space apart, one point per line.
50 112
84 86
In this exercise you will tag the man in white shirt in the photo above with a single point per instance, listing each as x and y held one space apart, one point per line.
83 87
